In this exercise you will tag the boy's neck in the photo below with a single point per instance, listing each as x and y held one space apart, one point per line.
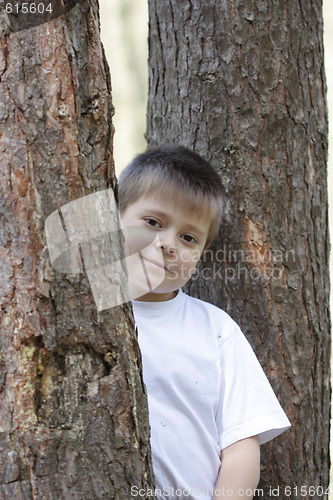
157 297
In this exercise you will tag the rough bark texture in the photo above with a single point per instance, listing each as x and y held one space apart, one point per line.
242 82
73 411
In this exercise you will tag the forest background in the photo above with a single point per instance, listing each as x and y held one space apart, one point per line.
124 31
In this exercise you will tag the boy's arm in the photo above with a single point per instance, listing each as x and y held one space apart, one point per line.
240 470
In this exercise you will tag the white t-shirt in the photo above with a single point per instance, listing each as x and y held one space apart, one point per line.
206 390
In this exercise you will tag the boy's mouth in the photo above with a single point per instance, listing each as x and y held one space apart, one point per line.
158 264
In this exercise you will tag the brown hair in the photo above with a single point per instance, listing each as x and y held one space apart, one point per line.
176 172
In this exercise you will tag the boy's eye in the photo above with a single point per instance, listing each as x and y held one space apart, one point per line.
152 222
189 239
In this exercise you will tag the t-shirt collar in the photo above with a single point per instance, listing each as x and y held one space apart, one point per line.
140 306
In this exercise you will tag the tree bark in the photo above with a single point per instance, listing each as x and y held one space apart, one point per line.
243 84
73 409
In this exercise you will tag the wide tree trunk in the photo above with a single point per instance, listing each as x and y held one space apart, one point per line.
73 409
243 84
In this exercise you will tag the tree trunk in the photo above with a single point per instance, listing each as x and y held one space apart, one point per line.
243 84
73 409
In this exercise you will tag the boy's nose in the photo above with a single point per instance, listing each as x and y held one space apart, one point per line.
166 242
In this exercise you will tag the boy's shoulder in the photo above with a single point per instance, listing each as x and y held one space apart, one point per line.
212 315
207 307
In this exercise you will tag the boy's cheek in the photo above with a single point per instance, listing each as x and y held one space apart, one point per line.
182 272
127 243
127 248
137 239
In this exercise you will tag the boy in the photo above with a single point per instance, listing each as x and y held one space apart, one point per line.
210 404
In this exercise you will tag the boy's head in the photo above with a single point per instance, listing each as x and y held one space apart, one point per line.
179 174
170 204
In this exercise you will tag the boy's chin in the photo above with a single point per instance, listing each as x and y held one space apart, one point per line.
141 291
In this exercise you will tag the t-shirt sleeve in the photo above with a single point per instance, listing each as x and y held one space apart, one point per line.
248 405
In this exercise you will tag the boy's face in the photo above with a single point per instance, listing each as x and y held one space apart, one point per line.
163 246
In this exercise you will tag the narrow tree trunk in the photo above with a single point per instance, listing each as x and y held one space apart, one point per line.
73 410
243 84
